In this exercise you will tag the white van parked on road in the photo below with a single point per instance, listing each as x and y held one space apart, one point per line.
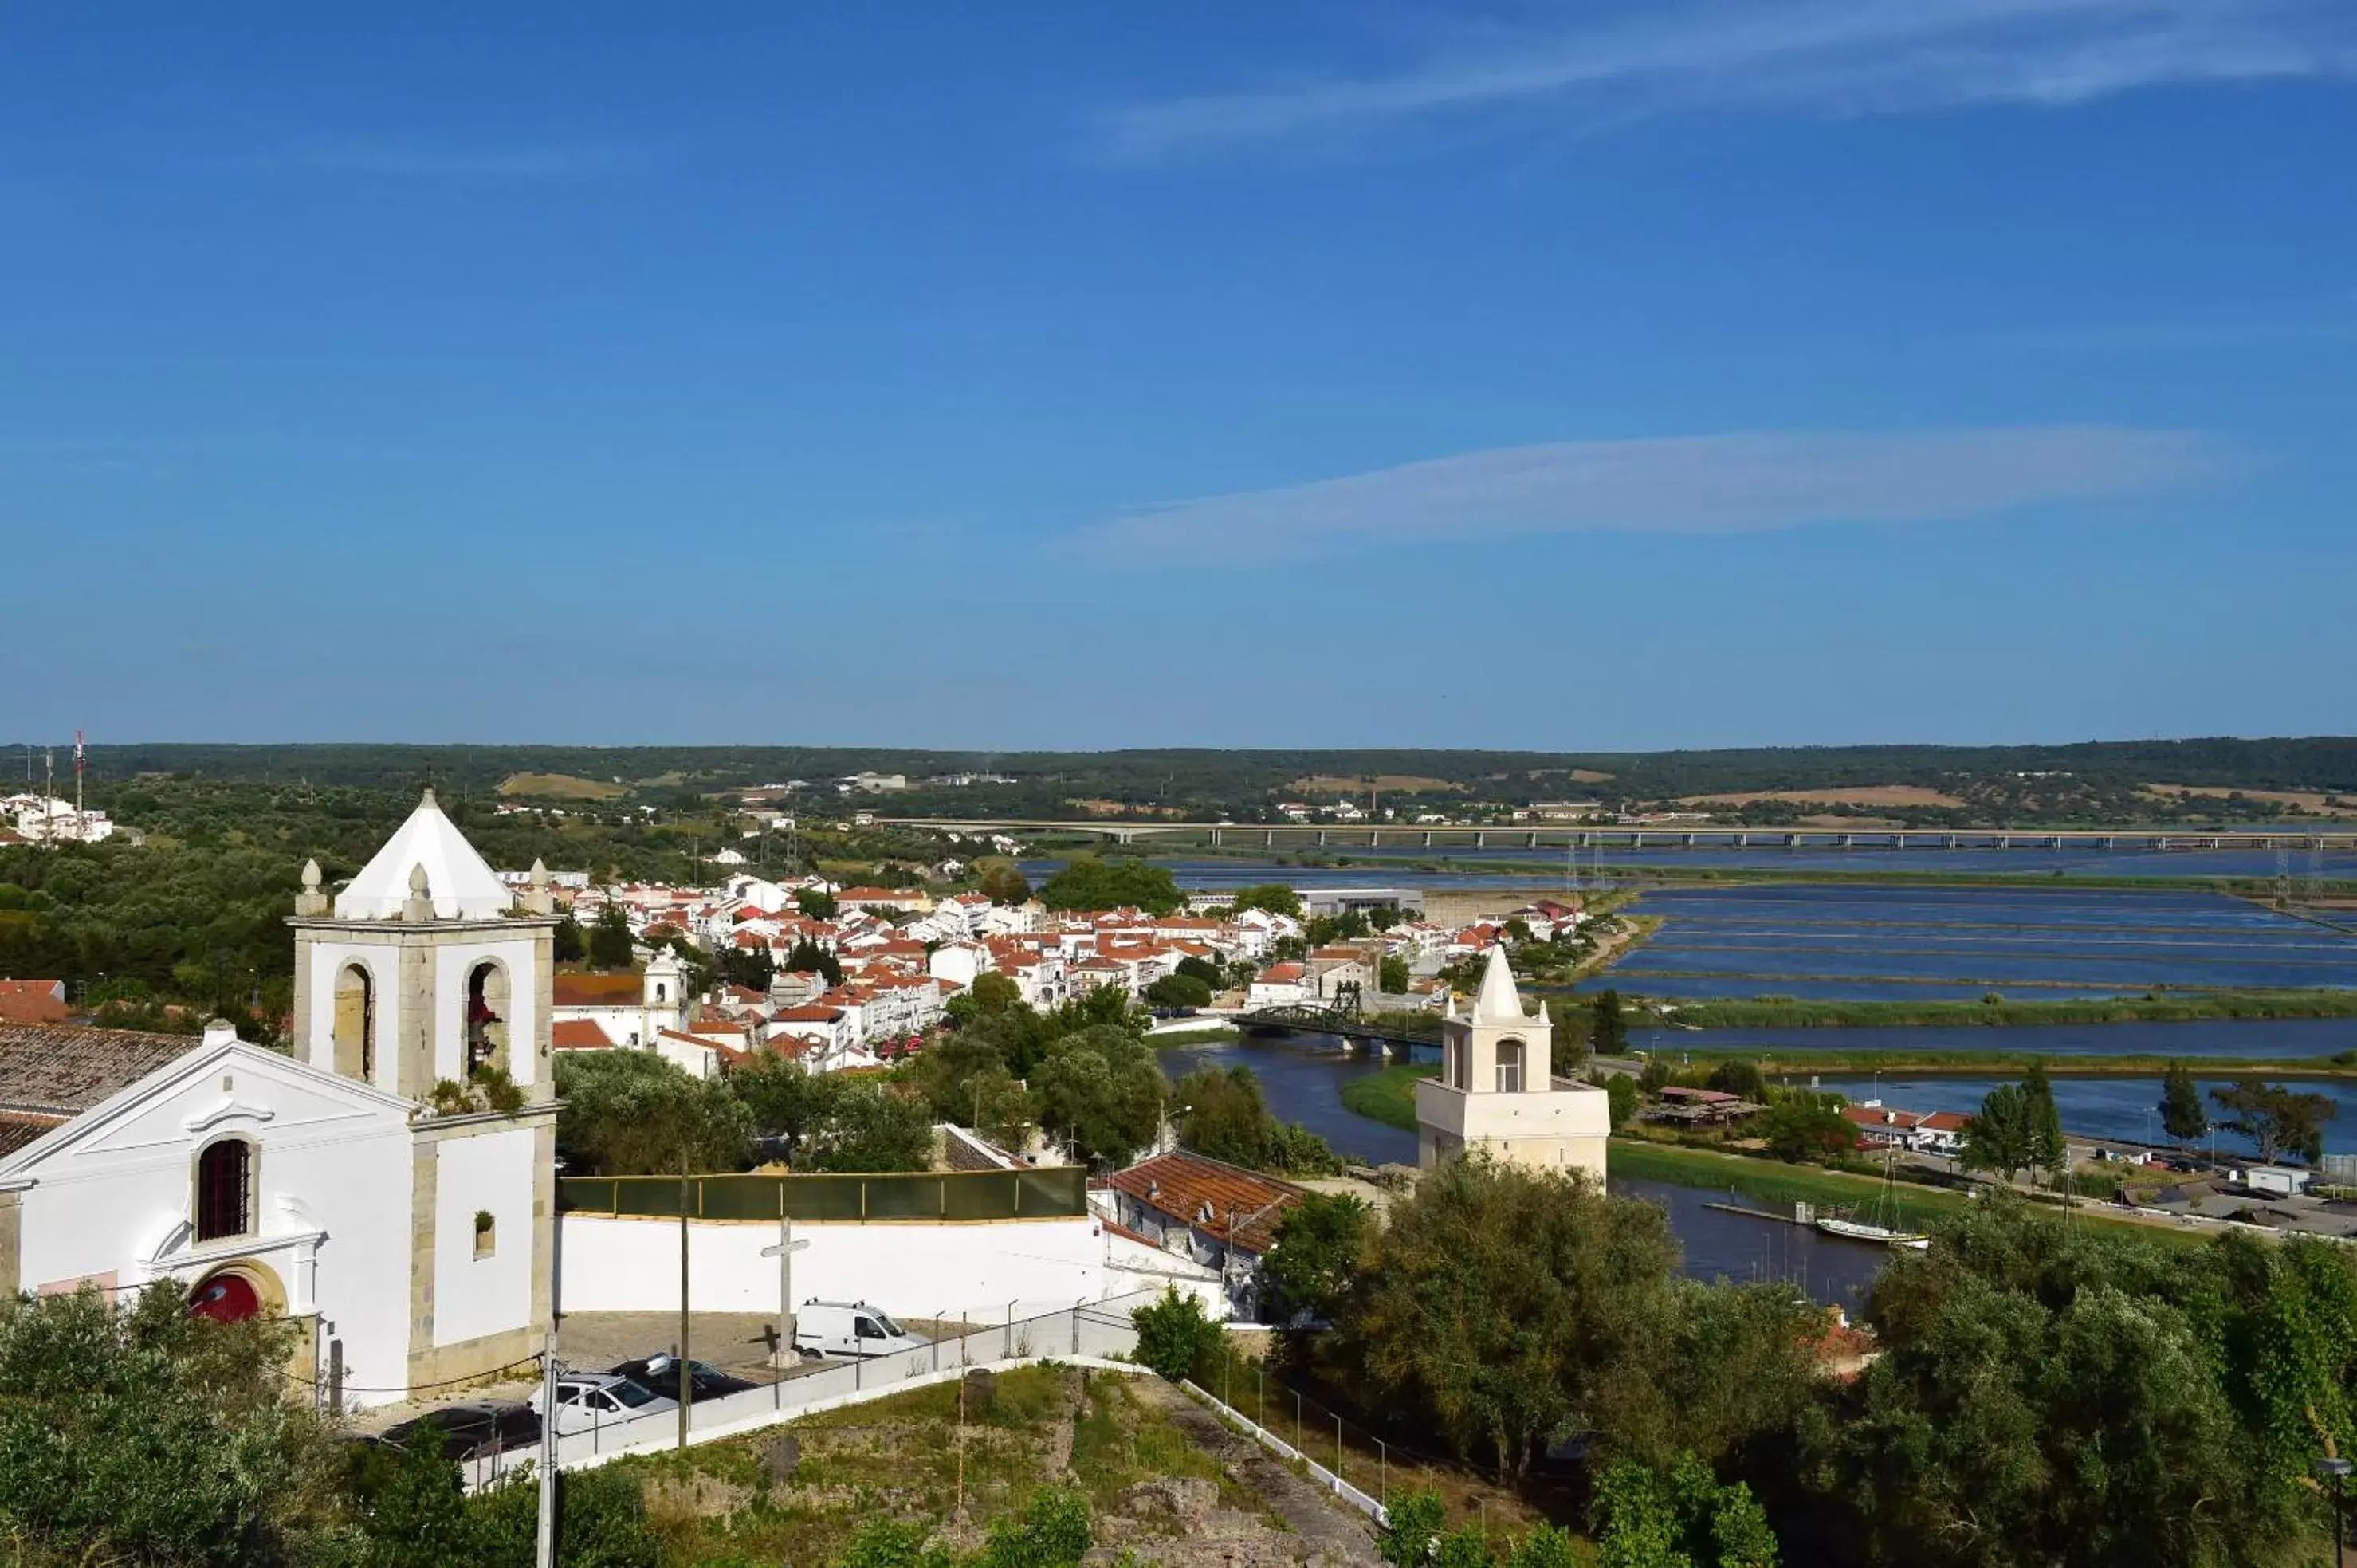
849 1328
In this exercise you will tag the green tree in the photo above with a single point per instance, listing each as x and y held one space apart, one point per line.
1275 897
571 945
1174 1336
816 904
1683 1518
1740 1076
1204 970
874 1127
2182 1116
633 1114
610 944
1412 1533
806 957
1610 1037
1221 1114
1178 991
2279 1119
1392 976
1621 1098
1501 1301
1805 1126
1002 881
2047 1150
1999 1136
1086 882
1319 1245
135 1432
785 1100
1102 1091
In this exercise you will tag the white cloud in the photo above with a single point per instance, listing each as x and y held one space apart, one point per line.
1742 482
1828 56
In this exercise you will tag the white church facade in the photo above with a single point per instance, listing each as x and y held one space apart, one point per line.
1497 1090
389 1186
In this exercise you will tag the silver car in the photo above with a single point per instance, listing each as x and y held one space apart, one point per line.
588 1400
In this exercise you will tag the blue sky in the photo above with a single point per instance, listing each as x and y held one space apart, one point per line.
1576 376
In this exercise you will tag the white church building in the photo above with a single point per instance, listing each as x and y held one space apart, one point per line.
1497 1090
382 1187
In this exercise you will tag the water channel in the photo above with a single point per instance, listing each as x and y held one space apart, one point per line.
1302 1076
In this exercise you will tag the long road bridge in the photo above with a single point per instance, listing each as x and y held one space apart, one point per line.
1294 835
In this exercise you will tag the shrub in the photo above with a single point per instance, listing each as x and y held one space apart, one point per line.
1174 1336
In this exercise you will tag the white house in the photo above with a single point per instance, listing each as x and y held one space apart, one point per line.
632 1009
408 1240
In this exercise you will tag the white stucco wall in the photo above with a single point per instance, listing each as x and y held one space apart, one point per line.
474 1296
334 1160
918 1270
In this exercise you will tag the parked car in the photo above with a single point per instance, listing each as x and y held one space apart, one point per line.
470 1431
585 1399
661 1373
850 1328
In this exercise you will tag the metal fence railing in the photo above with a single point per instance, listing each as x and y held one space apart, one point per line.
1056 1192
1373 1508
1100 1328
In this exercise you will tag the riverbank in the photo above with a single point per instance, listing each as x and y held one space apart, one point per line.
1201 1034
2175 1008
1388 1096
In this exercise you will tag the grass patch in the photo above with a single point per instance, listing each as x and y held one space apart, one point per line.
1210 1033
1388 1096
559 786
1775 1185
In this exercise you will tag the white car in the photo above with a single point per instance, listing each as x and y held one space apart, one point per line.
586 1399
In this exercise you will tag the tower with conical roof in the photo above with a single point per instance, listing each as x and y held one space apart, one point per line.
1497 1090
428 978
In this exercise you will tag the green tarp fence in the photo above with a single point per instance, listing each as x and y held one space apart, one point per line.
899 1195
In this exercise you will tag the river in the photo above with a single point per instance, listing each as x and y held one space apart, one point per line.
2255 1037
1302 1076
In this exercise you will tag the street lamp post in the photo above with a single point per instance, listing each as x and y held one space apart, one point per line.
2334 1474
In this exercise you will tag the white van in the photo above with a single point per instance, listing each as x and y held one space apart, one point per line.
849 1328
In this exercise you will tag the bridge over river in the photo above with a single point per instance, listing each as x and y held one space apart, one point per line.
1294 835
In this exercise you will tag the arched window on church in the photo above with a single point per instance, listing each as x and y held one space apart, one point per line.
486 1019
225 1190
662 991
1509 1067
356 1023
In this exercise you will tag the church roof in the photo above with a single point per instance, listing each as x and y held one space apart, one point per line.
462 884
1498 1001
61 1070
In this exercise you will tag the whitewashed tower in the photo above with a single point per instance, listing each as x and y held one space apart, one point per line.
1497 1090
427 969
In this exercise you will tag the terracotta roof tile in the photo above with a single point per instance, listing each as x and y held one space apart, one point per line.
64 1068
1186 1187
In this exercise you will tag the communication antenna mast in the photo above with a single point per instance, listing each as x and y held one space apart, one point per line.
77 771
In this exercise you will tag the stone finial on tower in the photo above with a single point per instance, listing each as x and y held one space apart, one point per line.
420 906
539 898
310 902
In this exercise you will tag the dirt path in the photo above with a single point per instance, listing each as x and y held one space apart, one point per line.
1327 1528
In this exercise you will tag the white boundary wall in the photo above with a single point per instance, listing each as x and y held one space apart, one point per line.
982 1270
1100 1334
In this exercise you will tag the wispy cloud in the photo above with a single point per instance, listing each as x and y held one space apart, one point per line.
1737 483
1846 57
